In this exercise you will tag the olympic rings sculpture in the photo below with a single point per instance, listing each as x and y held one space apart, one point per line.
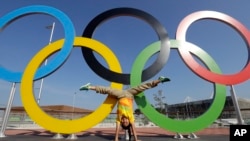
212 73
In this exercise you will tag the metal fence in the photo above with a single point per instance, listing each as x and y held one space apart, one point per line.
19 120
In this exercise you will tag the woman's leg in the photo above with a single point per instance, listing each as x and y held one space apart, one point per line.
148 85
125 93
105 90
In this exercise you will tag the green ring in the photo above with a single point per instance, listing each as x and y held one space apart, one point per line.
179 126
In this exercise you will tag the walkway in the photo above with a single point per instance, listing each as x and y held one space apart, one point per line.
107 134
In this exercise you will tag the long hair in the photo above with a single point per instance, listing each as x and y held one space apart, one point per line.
127 128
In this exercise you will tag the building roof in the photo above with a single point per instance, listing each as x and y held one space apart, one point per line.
54 108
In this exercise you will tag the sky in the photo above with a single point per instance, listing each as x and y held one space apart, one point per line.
126 36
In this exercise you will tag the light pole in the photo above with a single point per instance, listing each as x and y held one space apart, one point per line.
73 136
236 106
7 110
45 63
73 106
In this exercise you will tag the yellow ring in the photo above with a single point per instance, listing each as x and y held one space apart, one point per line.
59 125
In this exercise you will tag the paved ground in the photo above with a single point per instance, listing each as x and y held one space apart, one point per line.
107 134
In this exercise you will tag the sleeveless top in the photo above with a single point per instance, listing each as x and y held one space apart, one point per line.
125 108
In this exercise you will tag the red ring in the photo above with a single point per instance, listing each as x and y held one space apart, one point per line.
230 79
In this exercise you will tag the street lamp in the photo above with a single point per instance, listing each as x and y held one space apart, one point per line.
73 106
45 63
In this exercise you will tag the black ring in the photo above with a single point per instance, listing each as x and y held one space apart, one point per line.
112 76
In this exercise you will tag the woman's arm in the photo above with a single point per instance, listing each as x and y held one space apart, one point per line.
134 132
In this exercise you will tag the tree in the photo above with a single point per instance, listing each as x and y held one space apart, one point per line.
160 101
138 111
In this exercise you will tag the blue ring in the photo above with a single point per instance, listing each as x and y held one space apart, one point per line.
61 56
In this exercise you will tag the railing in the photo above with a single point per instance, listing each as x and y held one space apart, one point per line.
22 119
